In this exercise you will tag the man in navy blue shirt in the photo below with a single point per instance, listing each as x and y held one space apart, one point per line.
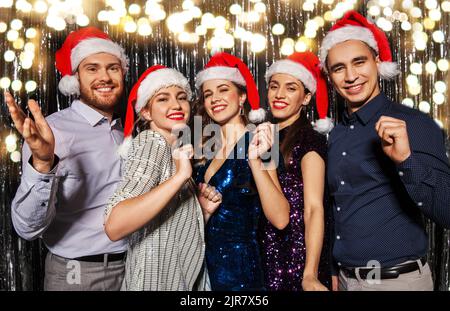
386 166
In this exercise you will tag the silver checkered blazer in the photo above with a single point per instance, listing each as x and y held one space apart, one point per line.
169 252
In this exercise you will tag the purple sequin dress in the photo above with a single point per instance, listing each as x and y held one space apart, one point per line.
284 251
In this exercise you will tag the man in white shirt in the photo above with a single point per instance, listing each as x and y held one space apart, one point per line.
71 167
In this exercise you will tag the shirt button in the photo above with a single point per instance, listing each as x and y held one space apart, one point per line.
400 173
352 127
419 203
338 237
344 153
342 182
338 209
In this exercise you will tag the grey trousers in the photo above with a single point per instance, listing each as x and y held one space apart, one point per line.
419 280
62 274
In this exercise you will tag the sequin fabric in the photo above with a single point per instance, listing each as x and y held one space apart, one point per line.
284 251
166 254
232 244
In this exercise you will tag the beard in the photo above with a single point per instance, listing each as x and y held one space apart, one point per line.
102 103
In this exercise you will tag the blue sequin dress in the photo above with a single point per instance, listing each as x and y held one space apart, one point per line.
232 249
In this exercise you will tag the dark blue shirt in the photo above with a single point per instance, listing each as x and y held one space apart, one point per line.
378 205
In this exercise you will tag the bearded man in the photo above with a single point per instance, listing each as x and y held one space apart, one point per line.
70 166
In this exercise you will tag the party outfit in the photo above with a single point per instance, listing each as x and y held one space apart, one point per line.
65 206
232 243
168 253
378 204
232 246
285 250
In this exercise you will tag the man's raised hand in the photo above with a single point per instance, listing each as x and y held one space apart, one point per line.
37 134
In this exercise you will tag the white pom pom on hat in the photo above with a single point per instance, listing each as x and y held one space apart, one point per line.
69 85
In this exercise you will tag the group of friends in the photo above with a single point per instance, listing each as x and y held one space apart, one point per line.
342 209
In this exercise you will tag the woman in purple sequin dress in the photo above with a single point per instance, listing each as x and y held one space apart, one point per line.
297 258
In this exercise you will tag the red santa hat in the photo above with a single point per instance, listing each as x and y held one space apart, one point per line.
354 26
79 45
305 66
149 83
224 66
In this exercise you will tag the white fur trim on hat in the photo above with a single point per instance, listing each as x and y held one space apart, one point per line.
92 46
257 115
69 85
344 34
219 73
323 126
388 70
294 69
157 80
122 150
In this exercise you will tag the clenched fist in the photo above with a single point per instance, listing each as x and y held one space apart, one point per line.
262 141
182 157
394 138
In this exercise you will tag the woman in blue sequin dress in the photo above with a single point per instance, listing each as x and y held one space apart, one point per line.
248 192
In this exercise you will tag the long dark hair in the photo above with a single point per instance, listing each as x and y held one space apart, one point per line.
292 137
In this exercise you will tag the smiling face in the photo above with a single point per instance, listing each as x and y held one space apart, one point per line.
353 69
286 96
223 101
101 81
167 109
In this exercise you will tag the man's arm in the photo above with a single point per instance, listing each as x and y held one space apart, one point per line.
427 181
418 150
33 207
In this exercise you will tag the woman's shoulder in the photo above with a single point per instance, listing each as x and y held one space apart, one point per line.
148 136
308 134
149 141
310 140
312 135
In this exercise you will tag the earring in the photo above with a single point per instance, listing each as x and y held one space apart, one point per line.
241 112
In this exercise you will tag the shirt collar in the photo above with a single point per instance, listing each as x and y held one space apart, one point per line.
368 111
91 115
116 122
